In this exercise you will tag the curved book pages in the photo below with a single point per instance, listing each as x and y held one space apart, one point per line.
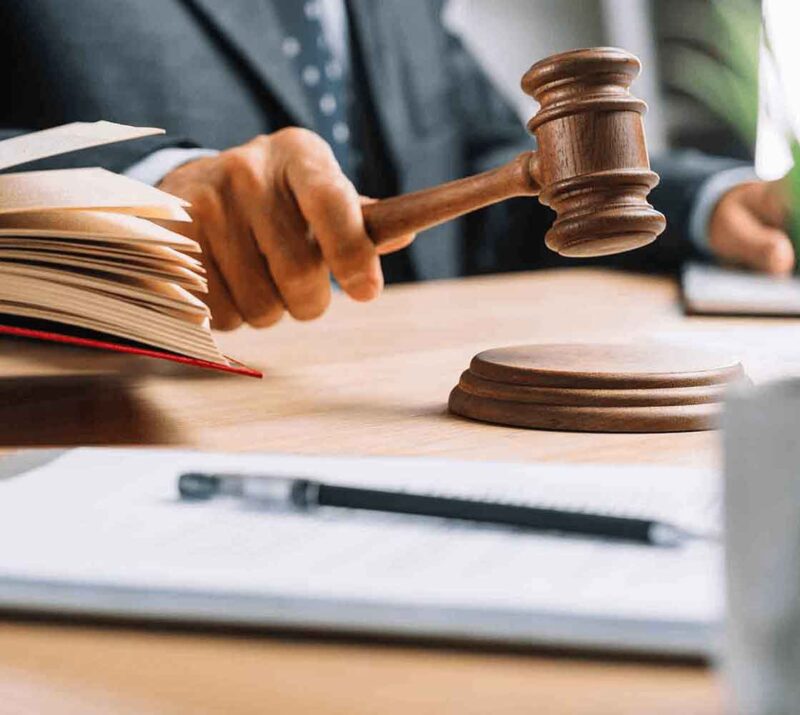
83 262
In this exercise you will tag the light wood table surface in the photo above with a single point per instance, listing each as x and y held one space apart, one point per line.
366 379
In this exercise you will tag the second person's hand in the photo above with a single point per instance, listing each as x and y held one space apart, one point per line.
748 228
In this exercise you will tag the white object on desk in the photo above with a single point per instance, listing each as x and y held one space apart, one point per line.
102 532
713 290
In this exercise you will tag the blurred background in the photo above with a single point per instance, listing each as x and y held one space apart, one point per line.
700 58
700 69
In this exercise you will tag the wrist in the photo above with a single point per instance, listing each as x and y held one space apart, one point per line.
156 166
709 196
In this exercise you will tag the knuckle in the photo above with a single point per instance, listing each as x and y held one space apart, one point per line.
298 137
321 180
260 141
244 172
329 183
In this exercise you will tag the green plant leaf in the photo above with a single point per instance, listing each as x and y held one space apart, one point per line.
733 99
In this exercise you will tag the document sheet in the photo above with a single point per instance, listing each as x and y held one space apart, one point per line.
103 532
715 290
66 138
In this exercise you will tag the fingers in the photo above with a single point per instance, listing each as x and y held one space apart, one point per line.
224 314
738 234
240 268
246 272
295 262
281 235
332 208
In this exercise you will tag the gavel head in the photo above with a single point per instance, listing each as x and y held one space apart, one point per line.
592 164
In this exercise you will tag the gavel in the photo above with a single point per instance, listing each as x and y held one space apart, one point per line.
591 165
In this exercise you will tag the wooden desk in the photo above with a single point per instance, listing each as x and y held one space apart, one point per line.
367 379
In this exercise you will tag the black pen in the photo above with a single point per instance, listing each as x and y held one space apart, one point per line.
305 494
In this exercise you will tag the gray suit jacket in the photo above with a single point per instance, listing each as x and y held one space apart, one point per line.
212 74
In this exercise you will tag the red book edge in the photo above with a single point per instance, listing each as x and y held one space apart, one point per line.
236 367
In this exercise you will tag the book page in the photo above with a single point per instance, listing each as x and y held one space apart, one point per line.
115 330
93 225
139 288
181 275
67 138
153 255
110 315
111 326
124 314
87 189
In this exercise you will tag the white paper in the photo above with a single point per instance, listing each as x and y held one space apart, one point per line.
723 291
98 524
67 138
92 188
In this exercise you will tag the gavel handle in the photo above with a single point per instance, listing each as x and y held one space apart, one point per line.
394 217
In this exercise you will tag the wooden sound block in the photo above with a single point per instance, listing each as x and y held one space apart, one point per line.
596 388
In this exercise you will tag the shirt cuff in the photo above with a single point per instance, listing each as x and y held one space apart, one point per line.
154 167
708 196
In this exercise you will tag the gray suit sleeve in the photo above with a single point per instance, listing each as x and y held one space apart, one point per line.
683 174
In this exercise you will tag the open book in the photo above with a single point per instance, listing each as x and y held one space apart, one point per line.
82 262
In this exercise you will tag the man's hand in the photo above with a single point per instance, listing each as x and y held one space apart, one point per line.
275 218
748 228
